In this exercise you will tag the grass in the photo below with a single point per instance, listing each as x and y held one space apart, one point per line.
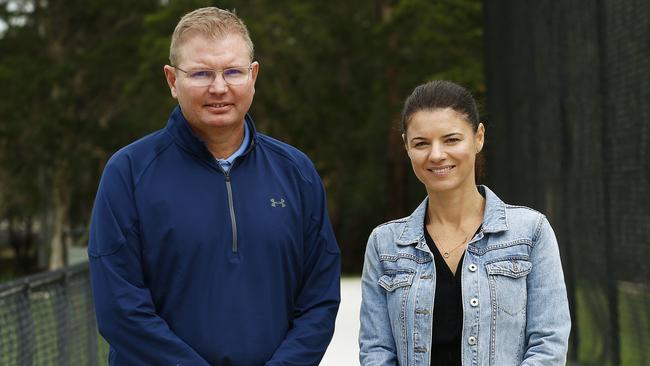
593 324
103 350
634 317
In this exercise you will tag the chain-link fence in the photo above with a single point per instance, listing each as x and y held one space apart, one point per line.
568 133
48 319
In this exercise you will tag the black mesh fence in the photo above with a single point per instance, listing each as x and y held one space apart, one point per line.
48 319
569 134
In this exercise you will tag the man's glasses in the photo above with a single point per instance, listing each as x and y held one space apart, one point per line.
232 76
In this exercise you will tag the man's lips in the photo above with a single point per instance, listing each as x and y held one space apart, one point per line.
217 105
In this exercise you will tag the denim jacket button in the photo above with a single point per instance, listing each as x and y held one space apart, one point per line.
473 302
471 340
472 267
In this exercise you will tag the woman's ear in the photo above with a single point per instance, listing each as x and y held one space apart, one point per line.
480 137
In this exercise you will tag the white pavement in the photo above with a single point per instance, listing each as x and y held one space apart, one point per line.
344 349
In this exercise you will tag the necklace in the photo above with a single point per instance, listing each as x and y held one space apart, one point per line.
446 253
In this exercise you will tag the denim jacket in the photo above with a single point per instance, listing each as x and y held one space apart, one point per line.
515 308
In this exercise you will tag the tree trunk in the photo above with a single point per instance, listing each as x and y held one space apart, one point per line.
396 174
60 208
21 239
397 182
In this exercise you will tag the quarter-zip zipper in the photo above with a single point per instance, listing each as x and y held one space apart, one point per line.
231 205
233 220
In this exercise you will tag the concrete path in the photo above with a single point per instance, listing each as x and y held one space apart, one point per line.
344 349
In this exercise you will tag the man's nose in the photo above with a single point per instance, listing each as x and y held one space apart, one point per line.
218 85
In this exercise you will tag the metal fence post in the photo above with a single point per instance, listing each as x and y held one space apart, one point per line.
26 331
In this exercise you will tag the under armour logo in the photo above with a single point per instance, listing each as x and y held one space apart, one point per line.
275 203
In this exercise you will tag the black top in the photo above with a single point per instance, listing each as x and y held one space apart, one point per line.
447 311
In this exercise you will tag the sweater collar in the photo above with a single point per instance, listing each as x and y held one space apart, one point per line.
180 131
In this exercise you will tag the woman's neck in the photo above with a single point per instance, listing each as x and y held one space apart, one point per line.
455 208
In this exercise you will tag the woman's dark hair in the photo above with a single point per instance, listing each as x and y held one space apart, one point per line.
440 94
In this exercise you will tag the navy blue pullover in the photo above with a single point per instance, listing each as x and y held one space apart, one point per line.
194 266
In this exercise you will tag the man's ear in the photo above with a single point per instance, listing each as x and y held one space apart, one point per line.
255 69
170 75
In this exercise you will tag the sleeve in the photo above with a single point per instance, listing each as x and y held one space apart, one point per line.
126 315
317 302
376 343
548 321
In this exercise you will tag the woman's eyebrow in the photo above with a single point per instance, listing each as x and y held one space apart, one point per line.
418 138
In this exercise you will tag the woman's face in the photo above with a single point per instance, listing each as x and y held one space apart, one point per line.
442 147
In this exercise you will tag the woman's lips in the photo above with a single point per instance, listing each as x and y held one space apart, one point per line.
444 170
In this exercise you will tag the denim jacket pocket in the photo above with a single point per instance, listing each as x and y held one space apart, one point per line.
507 279
393 280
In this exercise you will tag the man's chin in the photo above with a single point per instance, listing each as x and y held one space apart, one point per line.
218 123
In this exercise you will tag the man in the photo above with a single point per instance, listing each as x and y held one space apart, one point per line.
210 243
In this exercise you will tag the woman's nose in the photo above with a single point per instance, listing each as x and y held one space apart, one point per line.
437 152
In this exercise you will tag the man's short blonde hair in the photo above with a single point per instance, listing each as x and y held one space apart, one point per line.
210 21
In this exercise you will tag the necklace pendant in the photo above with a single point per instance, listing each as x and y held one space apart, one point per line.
445 254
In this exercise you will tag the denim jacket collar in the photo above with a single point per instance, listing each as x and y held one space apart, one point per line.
494 219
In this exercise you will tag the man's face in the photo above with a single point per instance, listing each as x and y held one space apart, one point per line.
210 108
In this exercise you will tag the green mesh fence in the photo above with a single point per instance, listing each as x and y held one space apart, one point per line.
568 133
48 319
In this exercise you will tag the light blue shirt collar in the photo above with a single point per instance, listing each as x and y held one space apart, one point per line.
227 162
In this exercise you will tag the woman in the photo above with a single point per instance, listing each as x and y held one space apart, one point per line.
465 279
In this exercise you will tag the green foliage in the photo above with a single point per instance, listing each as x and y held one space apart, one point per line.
86 78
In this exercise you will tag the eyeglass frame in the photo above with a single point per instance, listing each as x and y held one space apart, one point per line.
248 75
